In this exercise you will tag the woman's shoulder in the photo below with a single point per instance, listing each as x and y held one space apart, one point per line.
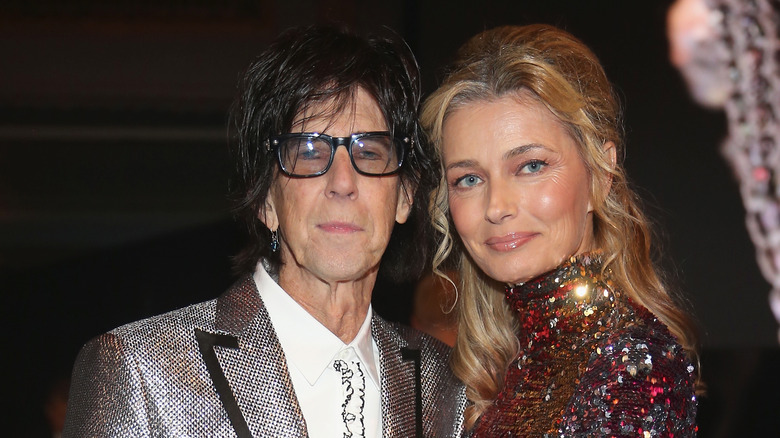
638 347
638 378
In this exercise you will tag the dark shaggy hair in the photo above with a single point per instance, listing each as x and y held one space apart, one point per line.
318 64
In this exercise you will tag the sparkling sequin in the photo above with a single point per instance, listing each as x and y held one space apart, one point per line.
591 364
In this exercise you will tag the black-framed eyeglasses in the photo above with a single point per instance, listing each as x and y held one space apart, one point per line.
309 154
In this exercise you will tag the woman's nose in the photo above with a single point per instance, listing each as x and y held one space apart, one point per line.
501 203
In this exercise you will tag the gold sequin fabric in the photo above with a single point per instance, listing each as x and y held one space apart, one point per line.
591 363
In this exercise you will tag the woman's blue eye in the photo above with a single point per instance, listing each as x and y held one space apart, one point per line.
468 181
532 166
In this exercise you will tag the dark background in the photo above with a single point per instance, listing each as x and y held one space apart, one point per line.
113 173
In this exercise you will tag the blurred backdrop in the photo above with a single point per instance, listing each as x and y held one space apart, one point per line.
113 174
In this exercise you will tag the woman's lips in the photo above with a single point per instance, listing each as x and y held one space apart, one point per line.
339 227
509 241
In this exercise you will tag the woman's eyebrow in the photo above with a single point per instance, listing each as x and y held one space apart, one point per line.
520 150
461 164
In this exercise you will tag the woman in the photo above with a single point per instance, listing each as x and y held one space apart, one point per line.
565 326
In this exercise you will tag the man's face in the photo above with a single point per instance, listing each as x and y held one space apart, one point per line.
335 227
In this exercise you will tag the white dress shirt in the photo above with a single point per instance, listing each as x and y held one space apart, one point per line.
311 351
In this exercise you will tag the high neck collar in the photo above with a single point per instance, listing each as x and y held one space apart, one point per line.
576 268
565 301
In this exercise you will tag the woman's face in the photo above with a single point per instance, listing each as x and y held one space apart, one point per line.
519 193
335 227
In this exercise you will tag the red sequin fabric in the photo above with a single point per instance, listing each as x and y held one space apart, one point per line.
592 364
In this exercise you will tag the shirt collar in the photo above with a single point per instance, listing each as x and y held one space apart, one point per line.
308 344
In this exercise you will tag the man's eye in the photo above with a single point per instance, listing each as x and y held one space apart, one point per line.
311 150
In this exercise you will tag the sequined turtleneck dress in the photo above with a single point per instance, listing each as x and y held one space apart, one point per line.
591 363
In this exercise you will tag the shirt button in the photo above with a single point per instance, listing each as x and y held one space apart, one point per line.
346 354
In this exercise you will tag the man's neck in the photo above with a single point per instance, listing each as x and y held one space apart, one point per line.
340 306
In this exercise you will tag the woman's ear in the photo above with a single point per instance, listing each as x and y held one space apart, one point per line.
610 156
610 153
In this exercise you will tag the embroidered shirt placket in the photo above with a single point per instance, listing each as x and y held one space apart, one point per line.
353 381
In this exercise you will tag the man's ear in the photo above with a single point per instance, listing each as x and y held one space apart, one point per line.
610 155
267 214
405 201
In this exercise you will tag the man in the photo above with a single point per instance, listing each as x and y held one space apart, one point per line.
293 348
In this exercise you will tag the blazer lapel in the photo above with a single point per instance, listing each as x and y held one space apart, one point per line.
252 365
207 342
399 403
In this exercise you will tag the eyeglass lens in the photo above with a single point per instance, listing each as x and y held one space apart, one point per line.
373 155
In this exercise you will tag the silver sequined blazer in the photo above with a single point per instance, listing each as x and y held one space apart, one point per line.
216 369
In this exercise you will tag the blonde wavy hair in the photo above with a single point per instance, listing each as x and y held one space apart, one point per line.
563 74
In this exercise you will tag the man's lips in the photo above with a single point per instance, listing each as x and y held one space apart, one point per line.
339 227
509 241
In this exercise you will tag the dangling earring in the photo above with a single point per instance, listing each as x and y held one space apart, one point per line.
274 241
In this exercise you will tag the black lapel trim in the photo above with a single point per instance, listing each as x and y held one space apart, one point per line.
206 343
414 355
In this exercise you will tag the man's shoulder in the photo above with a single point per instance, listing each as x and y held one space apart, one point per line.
163 330
411 338
199 315
183 318
159 332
